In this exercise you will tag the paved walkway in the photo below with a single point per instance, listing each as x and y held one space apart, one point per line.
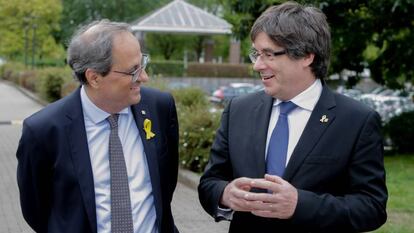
188 214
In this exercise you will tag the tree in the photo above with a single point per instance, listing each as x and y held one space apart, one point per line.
242 14
394 41
167 45
374 34
80 12
27 27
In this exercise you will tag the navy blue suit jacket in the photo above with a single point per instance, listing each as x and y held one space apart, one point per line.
337 166
54 171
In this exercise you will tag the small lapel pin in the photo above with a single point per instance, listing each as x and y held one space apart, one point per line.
324 119
143 112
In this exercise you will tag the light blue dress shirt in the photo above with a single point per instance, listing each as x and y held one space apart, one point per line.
142 200
297 118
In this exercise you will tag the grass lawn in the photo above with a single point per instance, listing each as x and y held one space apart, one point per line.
400 183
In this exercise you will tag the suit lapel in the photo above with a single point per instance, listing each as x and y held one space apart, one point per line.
78 143
260 128
313 131
141 112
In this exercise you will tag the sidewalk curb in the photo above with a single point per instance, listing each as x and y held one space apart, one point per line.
26 92
186 177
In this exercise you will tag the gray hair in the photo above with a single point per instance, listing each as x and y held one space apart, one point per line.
301 30
92 48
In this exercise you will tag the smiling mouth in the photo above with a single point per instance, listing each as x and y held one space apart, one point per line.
266 77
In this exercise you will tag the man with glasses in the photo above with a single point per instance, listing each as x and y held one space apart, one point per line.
295 157
104 158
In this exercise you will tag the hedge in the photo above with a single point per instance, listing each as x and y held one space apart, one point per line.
400 129
176 69
219 70
47 82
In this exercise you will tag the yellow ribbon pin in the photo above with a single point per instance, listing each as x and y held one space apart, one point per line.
147 129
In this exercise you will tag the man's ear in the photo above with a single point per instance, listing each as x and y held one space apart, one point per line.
92 77
308 59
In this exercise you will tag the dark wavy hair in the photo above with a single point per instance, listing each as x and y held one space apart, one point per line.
301 30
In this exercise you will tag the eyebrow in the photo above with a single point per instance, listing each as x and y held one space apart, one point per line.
265 50
133 68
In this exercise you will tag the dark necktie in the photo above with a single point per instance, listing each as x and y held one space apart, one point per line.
121 214
278 144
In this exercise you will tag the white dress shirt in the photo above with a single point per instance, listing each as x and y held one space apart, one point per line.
298 117
142 200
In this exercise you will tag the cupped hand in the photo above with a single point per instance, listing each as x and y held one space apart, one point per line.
280 202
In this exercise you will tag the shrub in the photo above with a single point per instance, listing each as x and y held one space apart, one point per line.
50 83
50 62
27 79
401 131
190 97
197 127
11 71
197 130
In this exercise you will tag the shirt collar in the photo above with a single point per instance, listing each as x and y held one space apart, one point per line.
308 98
93 112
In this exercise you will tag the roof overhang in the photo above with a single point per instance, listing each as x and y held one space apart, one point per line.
181 17
161 29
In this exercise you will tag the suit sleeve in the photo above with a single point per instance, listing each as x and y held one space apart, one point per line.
173 145
170 166
218 172
363 208
33 179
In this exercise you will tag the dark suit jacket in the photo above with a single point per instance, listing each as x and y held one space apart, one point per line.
54 171
336 166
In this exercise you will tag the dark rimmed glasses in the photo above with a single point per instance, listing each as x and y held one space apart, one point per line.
267 55
136 73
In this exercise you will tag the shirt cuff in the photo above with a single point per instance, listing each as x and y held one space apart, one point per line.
224 214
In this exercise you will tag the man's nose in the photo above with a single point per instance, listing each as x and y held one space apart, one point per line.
259 64
143 76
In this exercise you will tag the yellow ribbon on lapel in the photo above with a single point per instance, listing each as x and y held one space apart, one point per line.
147 129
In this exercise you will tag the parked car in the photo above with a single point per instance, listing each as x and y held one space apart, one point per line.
258 87
388 103
224 93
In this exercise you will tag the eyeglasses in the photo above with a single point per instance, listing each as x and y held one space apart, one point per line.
266 55
136 73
